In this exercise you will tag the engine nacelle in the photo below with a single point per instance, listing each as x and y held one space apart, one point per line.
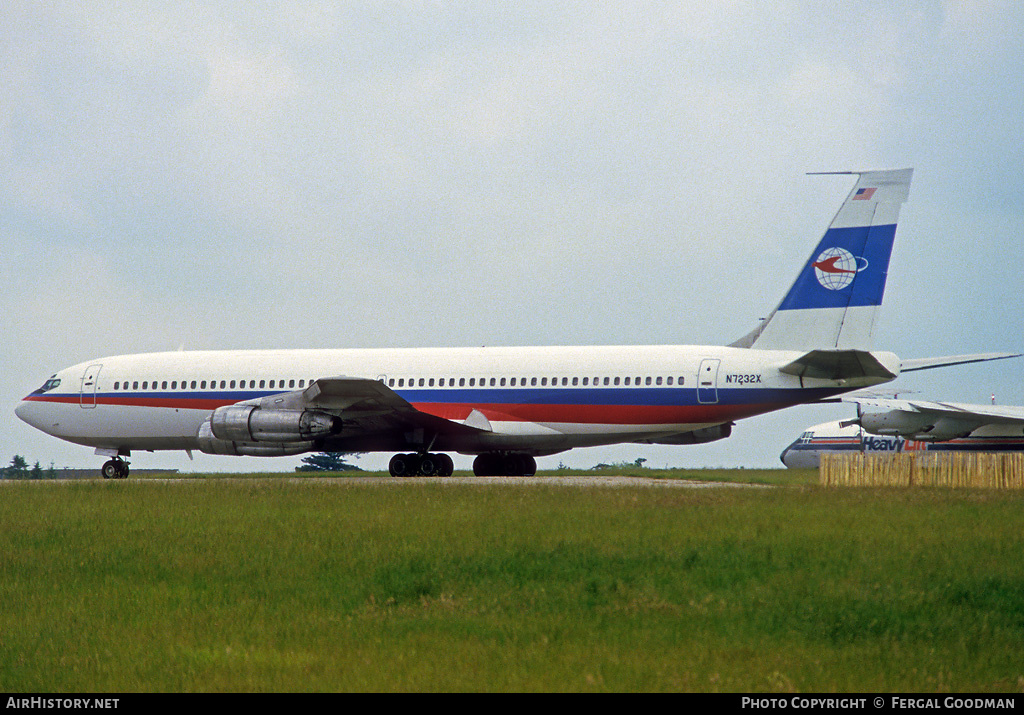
248 423
919 426
210 444
700 436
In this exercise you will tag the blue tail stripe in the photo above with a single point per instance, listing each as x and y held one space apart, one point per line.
860 283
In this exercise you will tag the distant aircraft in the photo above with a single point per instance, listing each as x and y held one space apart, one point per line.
911 426
505 405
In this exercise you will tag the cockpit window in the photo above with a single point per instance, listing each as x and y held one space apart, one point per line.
50 384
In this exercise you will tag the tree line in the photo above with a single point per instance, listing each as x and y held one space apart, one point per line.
19 469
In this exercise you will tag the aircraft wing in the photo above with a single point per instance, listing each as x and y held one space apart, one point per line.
365 406
988 414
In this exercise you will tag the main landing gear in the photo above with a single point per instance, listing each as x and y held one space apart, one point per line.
116 468
421 465
493 464
510 464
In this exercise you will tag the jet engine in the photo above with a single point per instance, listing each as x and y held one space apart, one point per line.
210 444
920 426
248 423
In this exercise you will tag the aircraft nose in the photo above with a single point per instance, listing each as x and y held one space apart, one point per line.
30 413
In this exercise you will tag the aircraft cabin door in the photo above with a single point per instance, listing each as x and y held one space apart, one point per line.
707 381
90 380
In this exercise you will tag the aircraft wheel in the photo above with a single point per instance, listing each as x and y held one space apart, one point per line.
482 465
110 470
447 466
429 465
115 469
500 465
402 465
512 465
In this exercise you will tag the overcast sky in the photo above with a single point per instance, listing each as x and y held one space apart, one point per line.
413 173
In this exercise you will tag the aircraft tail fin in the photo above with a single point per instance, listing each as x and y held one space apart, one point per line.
835 298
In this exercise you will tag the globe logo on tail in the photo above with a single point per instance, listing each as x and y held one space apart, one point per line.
836 268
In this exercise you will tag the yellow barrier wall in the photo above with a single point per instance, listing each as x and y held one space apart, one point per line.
950 469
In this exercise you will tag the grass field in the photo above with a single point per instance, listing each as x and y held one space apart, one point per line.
273 585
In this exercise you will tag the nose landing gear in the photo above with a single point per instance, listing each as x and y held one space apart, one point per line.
116 468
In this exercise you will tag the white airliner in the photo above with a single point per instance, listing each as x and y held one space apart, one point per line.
890 425
506 405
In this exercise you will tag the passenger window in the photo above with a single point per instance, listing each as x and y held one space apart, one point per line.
627 380
543 382
430 382
462 382
658 381
512 382
472 382
606 381
575 381
302 383
616 381
533 382
681 379
670 381
502 382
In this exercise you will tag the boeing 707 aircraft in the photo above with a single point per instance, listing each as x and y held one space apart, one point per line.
505 405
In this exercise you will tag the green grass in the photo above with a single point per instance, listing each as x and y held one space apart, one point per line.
264 585
774 477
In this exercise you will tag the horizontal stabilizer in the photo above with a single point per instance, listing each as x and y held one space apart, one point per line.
839 365
929 363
